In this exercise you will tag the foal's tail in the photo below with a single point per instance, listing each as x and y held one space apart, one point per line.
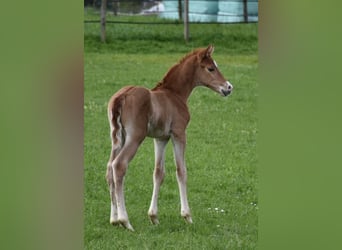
117 131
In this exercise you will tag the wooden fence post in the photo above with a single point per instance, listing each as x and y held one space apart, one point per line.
245 11
180 12
103 20
186 20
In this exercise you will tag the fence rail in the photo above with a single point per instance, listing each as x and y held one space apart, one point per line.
209 11
182 11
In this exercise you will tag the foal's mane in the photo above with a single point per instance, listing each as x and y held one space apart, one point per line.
172 69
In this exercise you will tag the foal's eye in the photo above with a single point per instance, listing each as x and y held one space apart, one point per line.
211 69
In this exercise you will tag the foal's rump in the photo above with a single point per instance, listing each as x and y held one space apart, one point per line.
128 111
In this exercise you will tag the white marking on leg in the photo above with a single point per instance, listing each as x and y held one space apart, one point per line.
182 179
113 209
120 199
113 219
120 165
183 195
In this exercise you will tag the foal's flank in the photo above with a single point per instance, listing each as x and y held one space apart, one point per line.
161 113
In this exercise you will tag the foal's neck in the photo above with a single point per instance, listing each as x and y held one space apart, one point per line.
180 79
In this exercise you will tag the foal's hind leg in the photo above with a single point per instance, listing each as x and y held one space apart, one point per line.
120 165
110 180
158 177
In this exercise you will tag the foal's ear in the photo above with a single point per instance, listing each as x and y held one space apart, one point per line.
210 50
206 53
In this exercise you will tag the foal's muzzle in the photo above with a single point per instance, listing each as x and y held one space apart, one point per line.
227 89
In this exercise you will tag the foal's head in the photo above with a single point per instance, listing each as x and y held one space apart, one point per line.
207 73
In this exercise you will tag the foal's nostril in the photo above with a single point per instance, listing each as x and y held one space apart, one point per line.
227 89
230 86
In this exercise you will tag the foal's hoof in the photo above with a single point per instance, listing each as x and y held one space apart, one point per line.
127 225
114 222
154 219
188 219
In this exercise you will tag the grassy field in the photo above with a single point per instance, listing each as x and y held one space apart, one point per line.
221 150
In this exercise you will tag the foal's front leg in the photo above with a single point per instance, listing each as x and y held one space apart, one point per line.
179 149
158 177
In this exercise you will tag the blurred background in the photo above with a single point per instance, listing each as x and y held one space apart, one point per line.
199 10
299 116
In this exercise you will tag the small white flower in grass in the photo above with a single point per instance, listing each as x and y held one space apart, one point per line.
217 209
254 204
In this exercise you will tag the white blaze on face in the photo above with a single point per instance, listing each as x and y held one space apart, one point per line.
215 64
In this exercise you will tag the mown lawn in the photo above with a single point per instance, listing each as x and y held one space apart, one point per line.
221 149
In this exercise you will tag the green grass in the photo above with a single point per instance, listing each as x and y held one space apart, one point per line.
221 149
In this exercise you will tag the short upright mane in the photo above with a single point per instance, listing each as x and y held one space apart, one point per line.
160 83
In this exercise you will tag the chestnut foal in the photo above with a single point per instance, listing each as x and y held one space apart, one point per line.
161 113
